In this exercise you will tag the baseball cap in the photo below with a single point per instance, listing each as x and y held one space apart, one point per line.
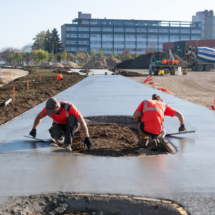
50 105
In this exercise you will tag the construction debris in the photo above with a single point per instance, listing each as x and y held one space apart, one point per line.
102 63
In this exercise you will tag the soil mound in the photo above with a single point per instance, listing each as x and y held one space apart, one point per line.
51 65
102 63
141 62
131 74
113 136
69 64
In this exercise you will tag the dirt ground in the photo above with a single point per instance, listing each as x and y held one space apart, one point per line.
38 92
8 75
196 87
89 204
113 136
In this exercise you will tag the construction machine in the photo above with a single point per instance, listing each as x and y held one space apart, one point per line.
201 58
163 61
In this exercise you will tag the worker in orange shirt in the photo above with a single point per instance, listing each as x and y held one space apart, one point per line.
65 123
150 115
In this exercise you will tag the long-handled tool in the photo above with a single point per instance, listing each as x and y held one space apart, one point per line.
34 138
180 133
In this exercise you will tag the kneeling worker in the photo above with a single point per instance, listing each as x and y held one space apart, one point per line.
65 122
152 114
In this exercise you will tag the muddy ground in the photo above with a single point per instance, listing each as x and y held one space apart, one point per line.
39 91
113 136
196 87
88 204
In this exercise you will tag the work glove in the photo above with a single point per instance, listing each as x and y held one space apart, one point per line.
88 142
182 128
33 133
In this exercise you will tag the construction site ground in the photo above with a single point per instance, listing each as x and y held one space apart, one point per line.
196 87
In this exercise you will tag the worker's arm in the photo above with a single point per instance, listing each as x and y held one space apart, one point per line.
37 121
181 119
136 115
87 140
83 126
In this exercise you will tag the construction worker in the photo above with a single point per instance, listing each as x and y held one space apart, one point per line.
65 123
150 115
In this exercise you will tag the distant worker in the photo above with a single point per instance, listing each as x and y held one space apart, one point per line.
65 123
150 115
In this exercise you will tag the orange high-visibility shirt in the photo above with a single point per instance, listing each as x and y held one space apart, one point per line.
67 109
153 112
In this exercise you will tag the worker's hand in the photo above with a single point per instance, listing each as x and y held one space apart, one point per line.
182 128
88 142
33 133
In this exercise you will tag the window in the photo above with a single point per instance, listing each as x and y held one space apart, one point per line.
83 35
129 23
71 35
195 38
71 49
95 29
130 43
107 23
71 42
164 30
118 36
83 49
106 29
185 38
163 37
83 42
71 28
196 31
129 36
95 35
141 23
107 43
96 42
118 43
83 29
141 29
141 36
119 23
152 36
153 30
185 31
130 29
141 43
119 29
174 30
107 36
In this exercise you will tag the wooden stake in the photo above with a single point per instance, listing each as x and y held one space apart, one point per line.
27 86
13 92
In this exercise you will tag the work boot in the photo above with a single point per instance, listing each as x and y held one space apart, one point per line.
153 144
68 147
145 143
58 142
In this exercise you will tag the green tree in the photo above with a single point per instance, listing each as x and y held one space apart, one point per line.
136 55
70 57
48 42
42 55
59 56
51 57
64 55
92 54
55 41
79 56
87 56
39 41
100 54
111 54
10 58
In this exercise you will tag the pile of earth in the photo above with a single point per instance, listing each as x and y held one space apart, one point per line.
102 63
39 91
113 136
131 74
51 65
69 64
88 204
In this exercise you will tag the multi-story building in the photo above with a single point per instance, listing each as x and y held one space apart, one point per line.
85 34
207 19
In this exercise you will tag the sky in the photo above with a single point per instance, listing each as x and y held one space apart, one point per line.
21 20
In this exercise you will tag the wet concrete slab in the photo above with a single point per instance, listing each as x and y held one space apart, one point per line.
29 167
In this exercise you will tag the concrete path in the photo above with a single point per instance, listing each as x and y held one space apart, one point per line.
187 177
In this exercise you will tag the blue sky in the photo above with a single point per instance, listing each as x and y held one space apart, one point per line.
21 20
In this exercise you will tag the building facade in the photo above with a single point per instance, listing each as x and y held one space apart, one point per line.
85 34
207 19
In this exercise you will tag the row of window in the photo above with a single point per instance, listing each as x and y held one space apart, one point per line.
133 30
121 36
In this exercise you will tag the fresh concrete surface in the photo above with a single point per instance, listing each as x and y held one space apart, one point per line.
187 177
